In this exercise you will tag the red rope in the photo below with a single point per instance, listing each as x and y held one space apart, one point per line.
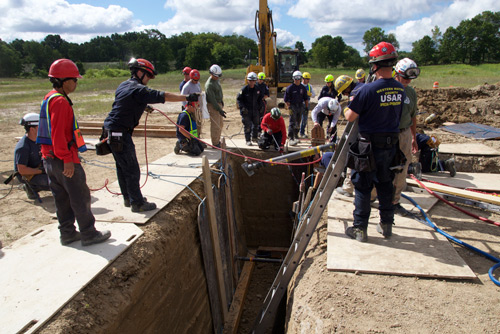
468 189
453 205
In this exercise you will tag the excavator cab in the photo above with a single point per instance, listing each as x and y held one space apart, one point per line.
288 62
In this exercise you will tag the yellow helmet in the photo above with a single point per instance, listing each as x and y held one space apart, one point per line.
342 83
329 78
360 74
261 75
306 75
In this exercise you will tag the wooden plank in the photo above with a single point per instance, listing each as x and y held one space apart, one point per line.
457 192
234 316
467 149
413 250
209 265
39 276
207 180
478 181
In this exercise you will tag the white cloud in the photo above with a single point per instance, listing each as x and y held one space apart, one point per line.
34 19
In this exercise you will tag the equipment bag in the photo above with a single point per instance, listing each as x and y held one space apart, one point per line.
360 157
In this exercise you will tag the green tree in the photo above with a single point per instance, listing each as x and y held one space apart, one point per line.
302 52
424 51
10 61
352 58
328 51
376 35
226 55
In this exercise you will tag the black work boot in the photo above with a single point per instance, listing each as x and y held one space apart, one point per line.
146 206
68 239
357 233
29 192
97 238
177 148
126 201
385 230
449 165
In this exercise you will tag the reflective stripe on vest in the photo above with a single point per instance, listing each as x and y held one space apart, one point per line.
193 130
44 127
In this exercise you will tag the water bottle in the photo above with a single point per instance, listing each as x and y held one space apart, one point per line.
430 118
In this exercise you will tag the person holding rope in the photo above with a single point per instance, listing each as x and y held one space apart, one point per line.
131 100
187 132
193 86
273 130
61 140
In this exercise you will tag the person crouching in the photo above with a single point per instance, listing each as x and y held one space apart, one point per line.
187 132
273 130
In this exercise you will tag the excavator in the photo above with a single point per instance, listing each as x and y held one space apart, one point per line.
277 64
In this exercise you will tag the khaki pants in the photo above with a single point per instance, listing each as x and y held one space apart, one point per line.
216 123
400 178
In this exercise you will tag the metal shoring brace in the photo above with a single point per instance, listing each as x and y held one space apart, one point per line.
307 226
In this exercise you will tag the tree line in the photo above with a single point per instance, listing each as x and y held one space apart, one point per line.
473 41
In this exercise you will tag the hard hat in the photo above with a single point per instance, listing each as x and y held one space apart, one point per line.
306 75
252 76
64 68
329 78
342 83
275 113
297 75
30 119
261 75
143 65
333 105
407 69
383 54
215 70
195 74
360 74
186 70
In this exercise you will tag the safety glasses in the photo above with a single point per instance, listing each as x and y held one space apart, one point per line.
411 73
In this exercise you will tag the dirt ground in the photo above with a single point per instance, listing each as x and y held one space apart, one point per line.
327 302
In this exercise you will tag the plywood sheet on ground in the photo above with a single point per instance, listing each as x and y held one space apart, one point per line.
39 276
169 175
474 130
468 149
241 143
414 249
481 181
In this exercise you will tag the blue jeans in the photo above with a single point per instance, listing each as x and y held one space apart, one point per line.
128 171
72 198
382 180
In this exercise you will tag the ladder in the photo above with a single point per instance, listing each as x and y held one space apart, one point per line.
307 225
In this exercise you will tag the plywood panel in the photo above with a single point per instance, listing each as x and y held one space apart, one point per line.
39 276
414 249
468 149
480 181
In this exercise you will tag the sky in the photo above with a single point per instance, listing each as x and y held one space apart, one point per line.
79 21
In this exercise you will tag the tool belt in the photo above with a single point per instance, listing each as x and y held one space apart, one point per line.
381 140
102 147
360 156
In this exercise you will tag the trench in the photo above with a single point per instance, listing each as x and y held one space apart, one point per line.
159 284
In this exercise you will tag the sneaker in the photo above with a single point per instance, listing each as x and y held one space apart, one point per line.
29 192
177 148
66 240
249 143
293 142
385 230
344 192
98 238
449 165
302 135
126 201
399 210
146 206
357 233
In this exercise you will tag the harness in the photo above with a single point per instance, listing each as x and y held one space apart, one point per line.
193 130
45 128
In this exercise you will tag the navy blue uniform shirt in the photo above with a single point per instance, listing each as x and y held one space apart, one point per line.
296 94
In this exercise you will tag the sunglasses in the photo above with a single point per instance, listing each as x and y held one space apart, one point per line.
411 73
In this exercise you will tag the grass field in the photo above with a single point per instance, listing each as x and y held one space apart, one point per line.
95 95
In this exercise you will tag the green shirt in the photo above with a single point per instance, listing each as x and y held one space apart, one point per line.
213 91
409 108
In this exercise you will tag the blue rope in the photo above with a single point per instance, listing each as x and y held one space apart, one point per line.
429 223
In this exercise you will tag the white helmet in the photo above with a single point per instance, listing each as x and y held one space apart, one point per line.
30 119
333 105
297 75
407 69
252 76
215 70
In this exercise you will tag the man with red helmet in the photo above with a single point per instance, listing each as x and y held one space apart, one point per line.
60 140
193 87
377 106
186 79
131 99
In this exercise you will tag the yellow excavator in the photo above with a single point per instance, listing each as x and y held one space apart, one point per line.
277 64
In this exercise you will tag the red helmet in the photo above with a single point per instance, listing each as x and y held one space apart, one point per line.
194 74
144 65
64 68
383 51
186 70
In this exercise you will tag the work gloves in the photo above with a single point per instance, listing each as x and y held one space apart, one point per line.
269 132
222 113
149 109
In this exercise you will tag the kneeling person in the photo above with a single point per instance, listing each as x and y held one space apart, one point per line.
187 132
273 130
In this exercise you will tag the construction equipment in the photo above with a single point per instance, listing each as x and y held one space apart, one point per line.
250 167
307 224
277 64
